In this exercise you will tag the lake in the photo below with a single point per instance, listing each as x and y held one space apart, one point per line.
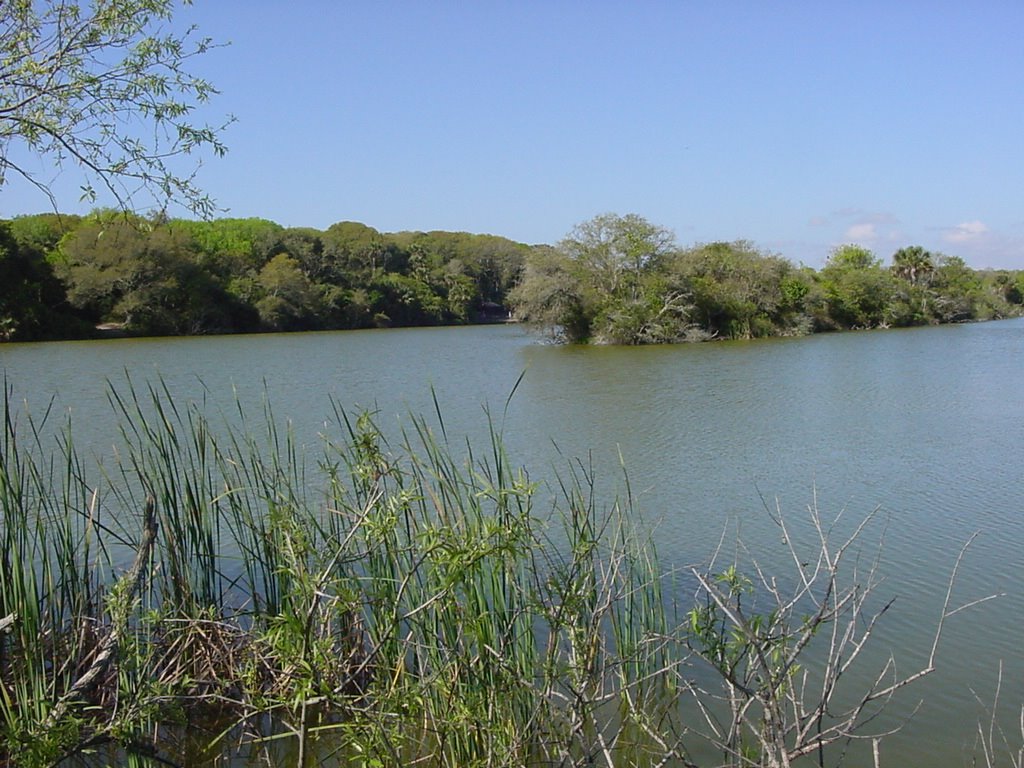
924 425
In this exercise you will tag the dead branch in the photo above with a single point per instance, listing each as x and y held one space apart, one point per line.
131 583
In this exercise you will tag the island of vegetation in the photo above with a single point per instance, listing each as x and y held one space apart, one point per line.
613 280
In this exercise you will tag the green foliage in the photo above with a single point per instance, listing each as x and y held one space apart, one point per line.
288 300
935 288
613 280
354 254
851 258
305 244
613 252
621 280
913 264
493 262
737 291
552 295
857 289
158 276
229 247
958 287
1015 289
654 314
146 279
605 282
398 603
32 300
41 232
106 88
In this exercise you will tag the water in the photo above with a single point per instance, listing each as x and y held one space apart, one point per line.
924 425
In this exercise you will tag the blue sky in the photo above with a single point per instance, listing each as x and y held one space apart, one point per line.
796 125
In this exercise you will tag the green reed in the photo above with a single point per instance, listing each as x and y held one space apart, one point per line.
52 561
389 603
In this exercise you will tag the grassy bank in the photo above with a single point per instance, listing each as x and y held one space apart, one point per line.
392 604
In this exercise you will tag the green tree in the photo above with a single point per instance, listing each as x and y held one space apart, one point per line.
231 247
614 251
104 87
101 262
494 263
459 289
655 312
42 232
911 302
144 278
737 291
604 283
354 254
408 300
856 289
913 264
551 295
32 300
289 300
957 290
304 244
1010 285
851 257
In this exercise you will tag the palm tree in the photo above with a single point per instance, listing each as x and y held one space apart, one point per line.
914 264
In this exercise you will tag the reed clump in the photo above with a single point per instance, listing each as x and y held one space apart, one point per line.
386 604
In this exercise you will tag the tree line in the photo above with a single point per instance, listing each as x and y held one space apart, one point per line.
614 279
66 276
623 280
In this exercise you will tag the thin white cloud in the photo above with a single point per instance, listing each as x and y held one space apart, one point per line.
985 248
965 232
862 225
872 229
863 232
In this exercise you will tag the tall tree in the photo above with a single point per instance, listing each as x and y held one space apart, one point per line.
354 253
551 295
122 270
737 290
290 301
104 87
32 299
41 232
616 250
913 264
957 287
857 289
605 283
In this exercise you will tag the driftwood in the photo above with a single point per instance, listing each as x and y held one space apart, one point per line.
132 583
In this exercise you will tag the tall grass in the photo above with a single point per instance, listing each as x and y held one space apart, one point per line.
387 603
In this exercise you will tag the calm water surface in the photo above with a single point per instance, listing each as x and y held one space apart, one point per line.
924 425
